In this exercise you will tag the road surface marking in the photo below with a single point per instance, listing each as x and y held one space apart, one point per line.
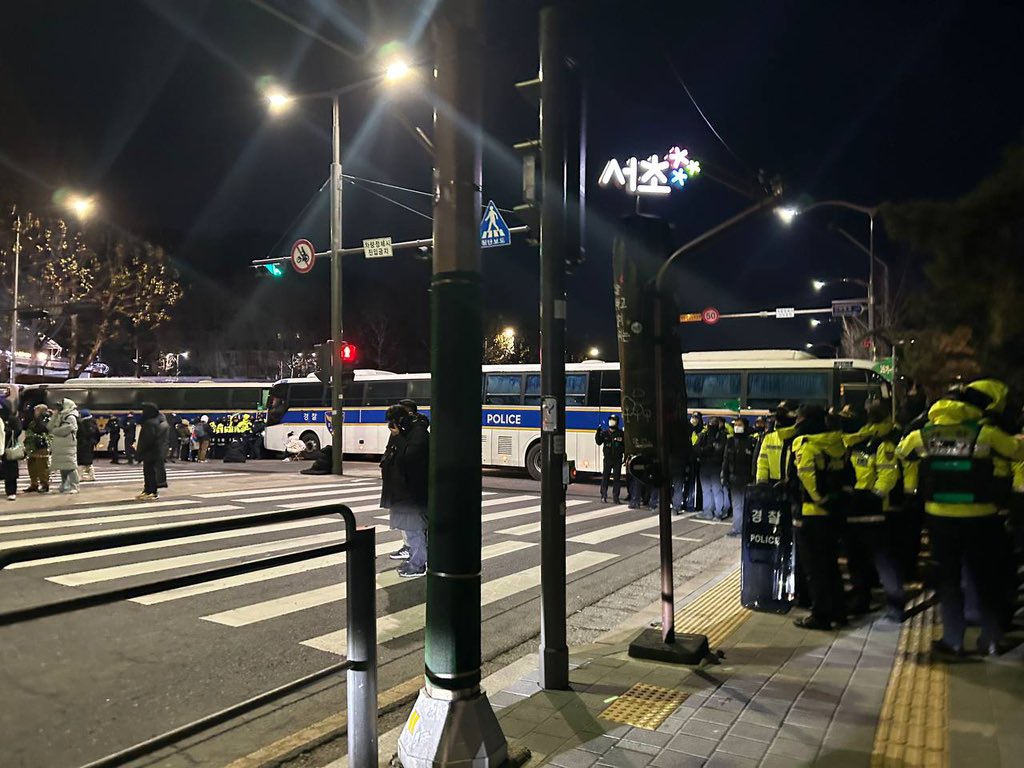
128 506
311 495
582 517
276 490
674 538
506 513
190 476
617 531
52 525
332 593
404 622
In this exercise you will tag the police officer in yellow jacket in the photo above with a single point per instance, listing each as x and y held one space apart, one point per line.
870 533
958 454
825 478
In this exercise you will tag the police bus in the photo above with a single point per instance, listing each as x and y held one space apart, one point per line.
232 406
718 383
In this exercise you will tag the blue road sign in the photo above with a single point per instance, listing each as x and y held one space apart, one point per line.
854 308
493 229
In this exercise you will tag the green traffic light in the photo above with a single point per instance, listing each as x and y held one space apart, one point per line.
274 270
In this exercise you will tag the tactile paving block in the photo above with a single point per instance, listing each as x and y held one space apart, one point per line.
644 706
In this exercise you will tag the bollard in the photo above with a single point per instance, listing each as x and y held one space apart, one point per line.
360 575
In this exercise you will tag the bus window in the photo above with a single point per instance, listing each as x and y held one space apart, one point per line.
79 396
419 391
504 389
197 399
611 390
278 404
766 389
532 389
173 399
113 399
308 394
354 393
712 390
246 398
576 389
385 392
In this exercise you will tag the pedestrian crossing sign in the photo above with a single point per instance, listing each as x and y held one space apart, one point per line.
493 229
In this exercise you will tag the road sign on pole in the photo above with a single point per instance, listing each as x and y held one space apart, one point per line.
710 315
848 308
378 248
303 256
785 313
493 229
691 317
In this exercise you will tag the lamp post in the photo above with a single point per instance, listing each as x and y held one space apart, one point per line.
278 101
788 214
82 206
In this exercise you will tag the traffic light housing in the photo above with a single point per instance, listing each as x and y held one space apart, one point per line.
275 270
348 353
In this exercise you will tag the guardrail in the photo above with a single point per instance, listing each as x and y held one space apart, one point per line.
360 666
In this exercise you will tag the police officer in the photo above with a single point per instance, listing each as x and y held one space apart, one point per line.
613 442
869 534
738 470
825 476
129 426
957 453
114 438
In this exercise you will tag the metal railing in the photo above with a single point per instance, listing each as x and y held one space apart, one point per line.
361 609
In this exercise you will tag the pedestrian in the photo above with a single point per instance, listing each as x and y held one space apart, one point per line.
37 450
613 443
957 482
184 438
114 438
12 450
825 474
63 427
738 470
152 450
88 436
130 428
404 487
711 453
173 445
203 435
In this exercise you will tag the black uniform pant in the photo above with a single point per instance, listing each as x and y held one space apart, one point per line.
960 543
819 548
114 443
129 451
612 470
9 469
872 554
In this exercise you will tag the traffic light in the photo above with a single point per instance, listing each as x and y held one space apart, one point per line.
348 353
274 270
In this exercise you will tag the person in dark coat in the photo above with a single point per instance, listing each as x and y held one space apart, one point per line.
738 470
152 450
404 487
85 449
711 451
613 443
130 428
10 431
114 439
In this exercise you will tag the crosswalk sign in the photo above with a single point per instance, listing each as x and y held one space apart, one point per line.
493 229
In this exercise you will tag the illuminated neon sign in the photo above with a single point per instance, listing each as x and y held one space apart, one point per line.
653 176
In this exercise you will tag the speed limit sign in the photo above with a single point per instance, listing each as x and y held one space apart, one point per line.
710 315
303 256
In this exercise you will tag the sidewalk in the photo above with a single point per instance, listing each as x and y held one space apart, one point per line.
869 695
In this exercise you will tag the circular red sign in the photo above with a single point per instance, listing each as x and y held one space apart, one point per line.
710 315
303 256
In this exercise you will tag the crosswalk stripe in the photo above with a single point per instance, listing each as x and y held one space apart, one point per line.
285 489
84 510
674 538
132 529
616 531
332 593
51 525
507 500
506 513
170 477
313 494
583 517
404 622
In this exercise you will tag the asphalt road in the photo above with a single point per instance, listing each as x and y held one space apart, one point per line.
81 686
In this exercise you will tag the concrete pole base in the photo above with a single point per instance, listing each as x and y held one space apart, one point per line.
452 733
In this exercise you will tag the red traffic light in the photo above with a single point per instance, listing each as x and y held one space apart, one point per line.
348 353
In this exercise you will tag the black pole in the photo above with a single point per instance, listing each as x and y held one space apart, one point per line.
361 680
554 652
668 624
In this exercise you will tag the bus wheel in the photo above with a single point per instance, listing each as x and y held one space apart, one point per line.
311 440
533 461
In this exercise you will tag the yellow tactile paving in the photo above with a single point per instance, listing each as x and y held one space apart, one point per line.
716 613
644 706
912 730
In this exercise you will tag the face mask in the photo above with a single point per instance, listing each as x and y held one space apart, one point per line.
613 424
738 430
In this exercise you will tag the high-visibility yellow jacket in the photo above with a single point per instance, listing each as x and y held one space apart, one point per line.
1018 475
821 465
888 473
991 443
773 455
863 447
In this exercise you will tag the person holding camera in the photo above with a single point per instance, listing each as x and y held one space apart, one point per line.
613 444
404 484
37 450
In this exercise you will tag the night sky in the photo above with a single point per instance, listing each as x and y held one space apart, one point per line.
153 105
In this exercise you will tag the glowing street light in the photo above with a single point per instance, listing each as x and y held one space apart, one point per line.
818 284
509 333
787 213
81 206
815 322
593 352
278 100
396 70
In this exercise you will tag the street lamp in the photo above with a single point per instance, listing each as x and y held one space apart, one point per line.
789 214
509 332
278 101
815 322
593 352
82 206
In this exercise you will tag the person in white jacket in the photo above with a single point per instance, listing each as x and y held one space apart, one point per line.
64 448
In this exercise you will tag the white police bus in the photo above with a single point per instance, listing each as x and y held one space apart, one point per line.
747 383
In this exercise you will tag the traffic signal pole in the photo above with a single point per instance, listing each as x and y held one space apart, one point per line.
554 652
337 414
452 722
